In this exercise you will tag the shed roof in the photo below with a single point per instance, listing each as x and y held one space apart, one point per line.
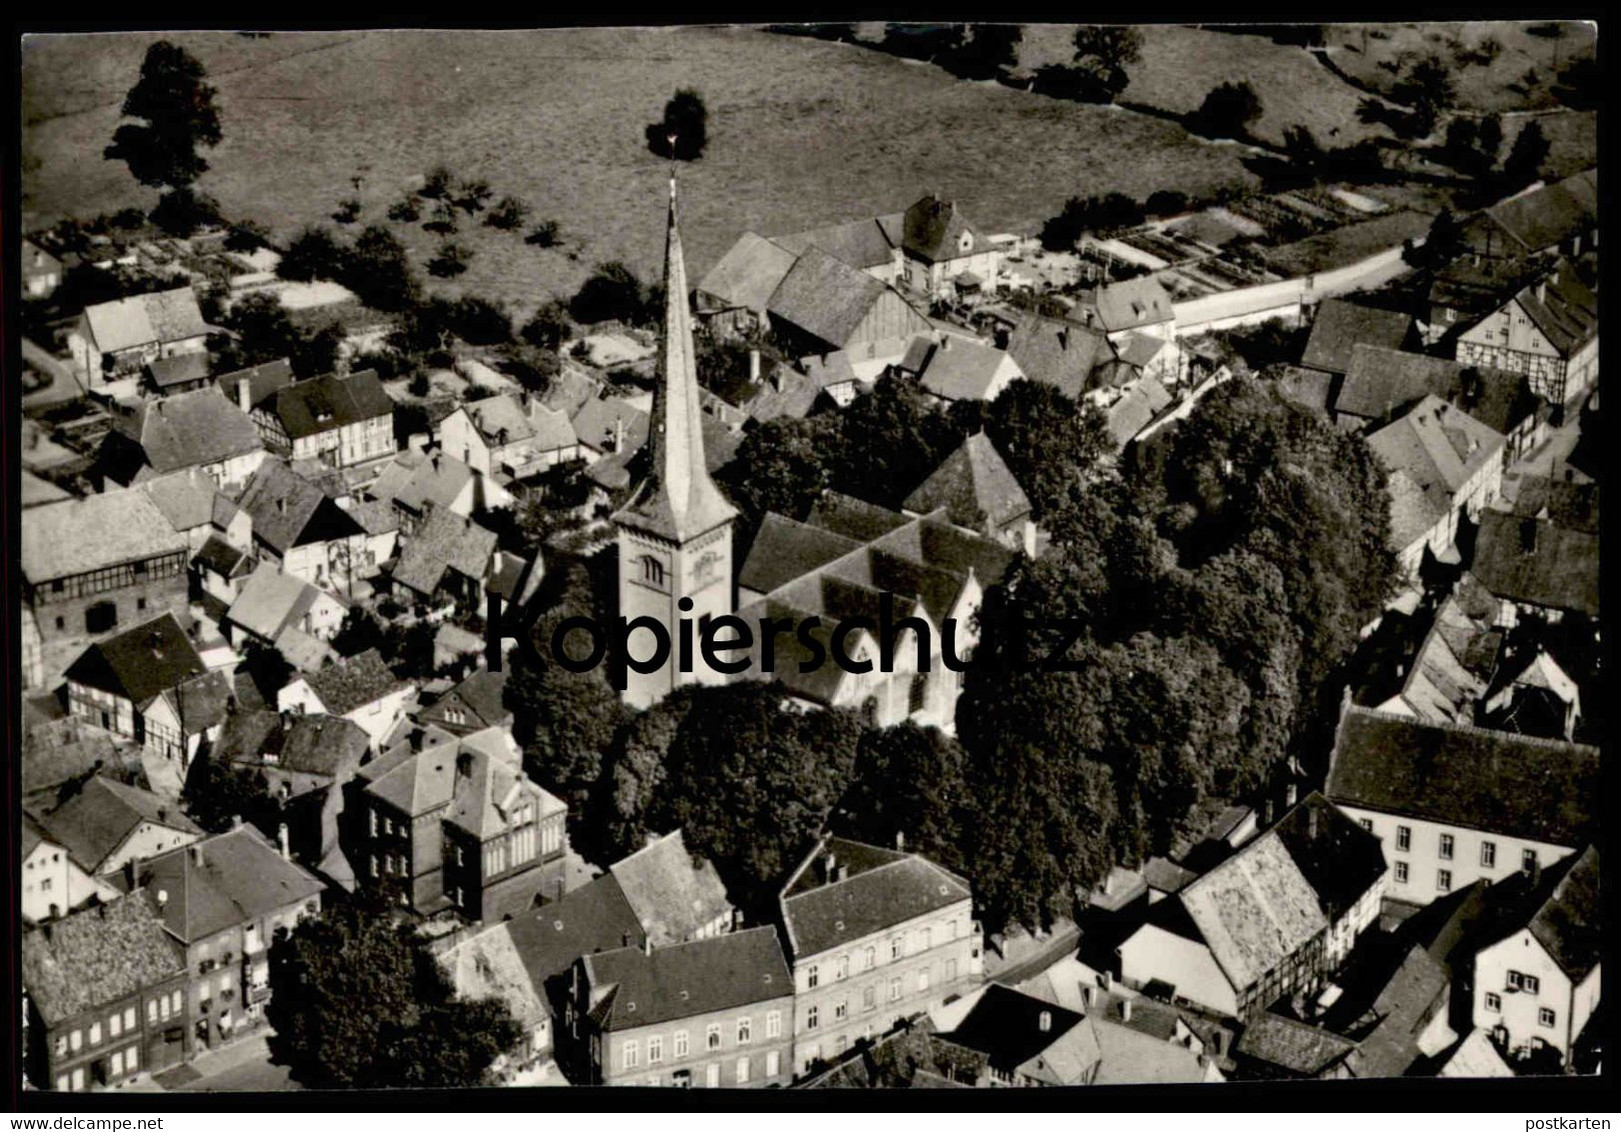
1341 324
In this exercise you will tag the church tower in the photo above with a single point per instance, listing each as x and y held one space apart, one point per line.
675 534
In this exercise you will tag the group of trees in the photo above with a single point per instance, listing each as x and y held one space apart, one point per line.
1227 111
1098 215
174 115
260 330
1097 73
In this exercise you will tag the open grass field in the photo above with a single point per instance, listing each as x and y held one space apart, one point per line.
1345 246
1180 65
1361 49
801 133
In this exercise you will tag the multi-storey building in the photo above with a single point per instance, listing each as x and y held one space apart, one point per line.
105 993
1536 983
507 438
200 430
115 339
93 565
303 531
455 824
1455 804
874 936
224 899
710 1013
1548 331
52 882
341 421
104 825
1276 918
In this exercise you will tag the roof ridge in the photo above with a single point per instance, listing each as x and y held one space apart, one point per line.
1476 729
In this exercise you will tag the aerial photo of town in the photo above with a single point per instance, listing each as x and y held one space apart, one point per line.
809 556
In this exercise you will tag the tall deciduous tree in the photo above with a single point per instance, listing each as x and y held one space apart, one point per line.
358 1001
686 120
175 113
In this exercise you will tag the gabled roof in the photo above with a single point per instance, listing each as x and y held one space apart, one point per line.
303 743
178 369
222 882
596 422
1552 214
1498 782
1573 506
444 541
686 980
1563 308
189 430
162 317
933 231
1382 382
1341 324
221 557
785 549
1537 562
322 404
419 480
1567 921
673 895
140 662
203 701
1264 903
590 919
1437 445
271 600
99 818
353 682
749 272
78 535
1476 1056
859 243
59 750
1007 1027
975 487
263 380
288 511
1060 353
1132 303
876 889
1404 1006
1301 1049
827 298
97 957
1135 409
1165 875
488 965
956 369
480 695
189 499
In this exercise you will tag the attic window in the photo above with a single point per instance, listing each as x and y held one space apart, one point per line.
838 925
630 1008
944 891
683 994
557 924
767 976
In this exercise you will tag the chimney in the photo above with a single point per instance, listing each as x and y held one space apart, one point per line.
1089 997
647 944
1290 794
945 342
196 855
754 365
1535 871
236 821
1311 822
619 434
1063 339
1106 979
281 506
1046 1021
1542 297
284 842
131 876
1125 1010
900 841
464 764
1528 536
416 740
830 865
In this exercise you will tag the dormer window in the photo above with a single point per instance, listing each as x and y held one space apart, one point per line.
967 242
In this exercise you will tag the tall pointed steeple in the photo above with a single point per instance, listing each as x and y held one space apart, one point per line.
677 500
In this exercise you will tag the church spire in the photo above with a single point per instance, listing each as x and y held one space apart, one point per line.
677 500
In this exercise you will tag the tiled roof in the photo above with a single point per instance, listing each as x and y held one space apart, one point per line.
688 979
322 404
1132 303
221 557
1562 307
1381 382
1476 1056
1006 1026
353 682
178 369
1166 876
1336 856
140 662
853 518
97 819
673 895
957 369
59 750
270 600
37 490
596 422
434 480
880 888
593 918
1537 562
1341 324
933 230
1437 445
488 965
1567 921
749 272
79 535
288 511
1135 409
1402 1007
480 695
189 430
1129 1056
1295 1046
187 498
1308 388
1573 506
975 486
97 957
163 317
1513 785
827 298
263 380
785 549
221 882
1552 214
1060 353
859 243
444 541
204 701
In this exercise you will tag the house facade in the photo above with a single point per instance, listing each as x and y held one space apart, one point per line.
712 1013
359 688
340 421
507 437
873 936
52 883
116 683
1547 331
116 339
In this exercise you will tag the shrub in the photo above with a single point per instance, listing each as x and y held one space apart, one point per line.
406 211
508 214
128 219
480 321
550 325
313 254
450 260
1227 111
473 194
546 234
180 212
1166 202
348 211
247 236
437 184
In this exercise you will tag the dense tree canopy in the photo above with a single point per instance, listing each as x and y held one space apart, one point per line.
683 132
1227 111
358 1001
175 114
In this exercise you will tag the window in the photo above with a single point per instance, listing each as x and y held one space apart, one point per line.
742 1071
129 1018
841 1010
115 1025
132 1058
1366 823
152 1011
928 938
1488 854
1528 860
871 959
712 1075
951 969
954 927
76 1041
1494 1002
680 1049
1447 844
812 1017
653 570
923 979
895 989
712 1035
1443 880
655 1049
630 1054
1531 983
917 696
175 1002
869 999
1404 837
45 884
897 948
62 1083
745 1031
61 1045
773 1024
117 1063
813 976
78 1079
773 1064
1546 1017
841 970
1401 872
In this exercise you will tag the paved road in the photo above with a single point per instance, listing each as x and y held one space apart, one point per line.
63 385
242 1067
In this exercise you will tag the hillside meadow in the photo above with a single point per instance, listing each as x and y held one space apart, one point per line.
802 133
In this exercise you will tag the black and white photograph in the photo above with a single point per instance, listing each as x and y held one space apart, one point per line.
808 556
